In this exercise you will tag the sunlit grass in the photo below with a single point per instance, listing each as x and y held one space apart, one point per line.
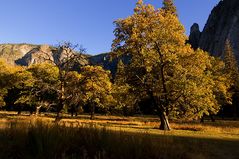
219 129
115 137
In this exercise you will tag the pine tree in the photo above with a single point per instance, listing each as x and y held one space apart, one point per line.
231 65
231 69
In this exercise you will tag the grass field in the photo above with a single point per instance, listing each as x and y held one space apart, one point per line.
115 137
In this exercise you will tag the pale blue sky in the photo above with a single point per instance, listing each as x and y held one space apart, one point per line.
86 22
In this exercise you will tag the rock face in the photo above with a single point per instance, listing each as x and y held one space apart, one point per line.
13 52
103 60
222 24
195 35
108 64
27 54
32 56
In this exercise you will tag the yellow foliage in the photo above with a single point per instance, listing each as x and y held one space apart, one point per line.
96 85
180 80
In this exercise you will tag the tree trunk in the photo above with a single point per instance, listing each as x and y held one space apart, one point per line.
58 117
222 114
92 112
57 114
38 110
212 118
72 112
59 108
163 115
164 125
235 112
62 96
19 110
31 112
202 119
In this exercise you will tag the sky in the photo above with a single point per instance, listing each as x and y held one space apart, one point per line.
85 22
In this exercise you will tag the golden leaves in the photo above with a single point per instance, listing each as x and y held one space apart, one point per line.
164 64
96 85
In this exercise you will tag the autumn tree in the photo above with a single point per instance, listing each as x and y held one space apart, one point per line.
64 58
24 82
46 81
96 88
14 81
46 87
122 92
5 80
162 67
74 92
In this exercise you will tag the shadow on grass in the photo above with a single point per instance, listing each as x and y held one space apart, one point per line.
52 141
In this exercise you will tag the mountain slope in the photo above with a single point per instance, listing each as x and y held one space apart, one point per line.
27 54
13 52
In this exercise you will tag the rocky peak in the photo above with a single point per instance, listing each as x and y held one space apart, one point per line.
194 28
27 54
45 48
12 52
37 54
195 35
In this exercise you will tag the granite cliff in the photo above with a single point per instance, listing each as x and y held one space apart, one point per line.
13 52
27 54
222 24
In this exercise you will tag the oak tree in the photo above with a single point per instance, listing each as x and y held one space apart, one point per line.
163 68
64 58
96 88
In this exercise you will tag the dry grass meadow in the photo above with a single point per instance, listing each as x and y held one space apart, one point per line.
115 137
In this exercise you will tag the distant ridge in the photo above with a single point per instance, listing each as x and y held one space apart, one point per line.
27 54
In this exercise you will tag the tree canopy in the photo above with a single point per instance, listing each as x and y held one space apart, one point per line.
176 78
